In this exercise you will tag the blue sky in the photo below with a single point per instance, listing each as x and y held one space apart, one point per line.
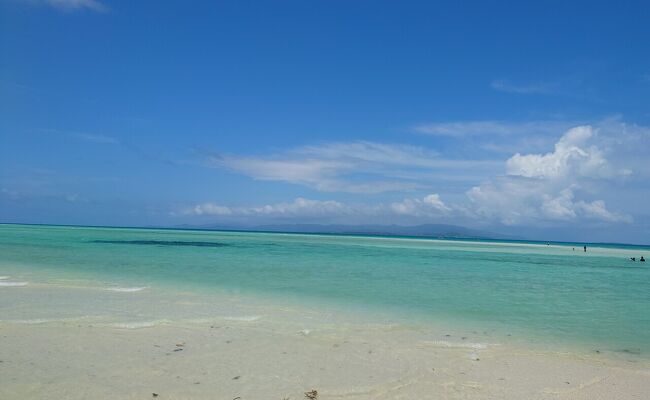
512 117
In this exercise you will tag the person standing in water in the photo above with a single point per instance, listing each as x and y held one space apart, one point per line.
585 247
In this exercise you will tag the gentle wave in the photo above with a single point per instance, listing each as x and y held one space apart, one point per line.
2 278
245 318
4 283
34 321
139 324
38 321
127 289
443 343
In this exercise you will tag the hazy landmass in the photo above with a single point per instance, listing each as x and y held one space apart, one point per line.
425 230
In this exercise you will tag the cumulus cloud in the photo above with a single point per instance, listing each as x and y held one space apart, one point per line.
571 157
545 186
208 209
428 206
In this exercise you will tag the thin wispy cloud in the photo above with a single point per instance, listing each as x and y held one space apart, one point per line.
16 195
95 138
142 152
461 129
504 85
73 5
82 136
352 167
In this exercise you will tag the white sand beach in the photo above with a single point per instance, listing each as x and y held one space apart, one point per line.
261 352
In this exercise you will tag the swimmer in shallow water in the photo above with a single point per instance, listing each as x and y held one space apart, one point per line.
633 258
642 259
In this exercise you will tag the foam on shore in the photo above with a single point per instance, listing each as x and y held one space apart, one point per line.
139 324
127 289
5 283
457 345
244 318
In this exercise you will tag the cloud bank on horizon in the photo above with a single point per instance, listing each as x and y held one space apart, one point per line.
562 185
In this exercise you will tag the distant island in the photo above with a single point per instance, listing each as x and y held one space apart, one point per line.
441 231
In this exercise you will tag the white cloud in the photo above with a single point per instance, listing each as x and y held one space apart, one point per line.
208 209
430 205
544 186
73 5
504 85
300 207
572 156
353 167
560 207
597 210
460 129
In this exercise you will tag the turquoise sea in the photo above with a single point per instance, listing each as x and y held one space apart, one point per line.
555 295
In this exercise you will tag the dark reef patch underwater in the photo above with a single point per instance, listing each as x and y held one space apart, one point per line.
161 243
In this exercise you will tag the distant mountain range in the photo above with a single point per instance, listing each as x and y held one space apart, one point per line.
426 230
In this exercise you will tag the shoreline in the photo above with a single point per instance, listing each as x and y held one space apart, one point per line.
195 305
265 359
133 307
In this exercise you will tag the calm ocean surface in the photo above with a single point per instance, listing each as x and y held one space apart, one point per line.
552 293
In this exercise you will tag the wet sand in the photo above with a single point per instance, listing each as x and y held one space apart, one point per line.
260 359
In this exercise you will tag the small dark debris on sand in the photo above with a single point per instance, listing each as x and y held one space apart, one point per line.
154 394
237 377
312 394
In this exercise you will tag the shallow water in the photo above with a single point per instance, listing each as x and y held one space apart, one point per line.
551 295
